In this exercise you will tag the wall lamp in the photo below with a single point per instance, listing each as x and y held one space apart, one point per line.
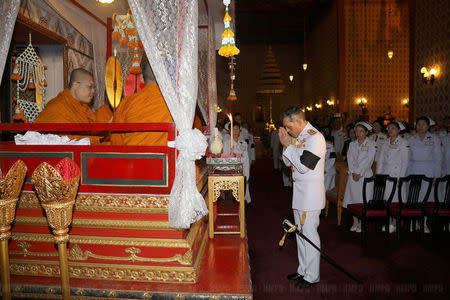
405 102
361 102
330 102
291 78
309 108
428 76
318 105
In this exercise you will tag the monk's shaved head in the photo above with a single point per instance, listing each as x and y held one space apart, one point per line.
147 73
79 75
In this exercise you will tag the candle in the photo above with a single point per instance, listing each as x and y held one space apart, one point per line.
230 116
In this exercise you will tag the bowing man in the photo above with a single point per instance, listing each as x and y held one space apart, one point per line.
306 157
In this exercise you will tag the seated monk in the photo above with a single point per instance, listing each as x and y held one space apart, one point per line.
72 105
145 106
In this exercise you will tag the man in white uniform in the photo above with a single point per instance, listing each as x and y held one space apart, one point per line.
305 154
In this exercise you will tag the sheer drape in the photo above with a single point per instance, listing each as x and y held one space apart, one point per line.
8 15
168 30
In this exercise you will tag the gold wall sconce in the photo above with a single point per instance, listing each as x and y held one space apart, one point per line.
429 75
405 102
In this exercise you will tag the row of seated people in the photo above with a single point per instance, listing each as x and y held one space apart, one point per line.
422 154
145 106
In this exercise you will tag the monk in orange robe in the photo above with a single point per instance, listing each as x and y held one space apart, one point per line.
72 105
146 106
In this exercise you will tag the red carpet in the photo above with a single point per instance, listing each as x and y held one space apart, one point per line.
407 269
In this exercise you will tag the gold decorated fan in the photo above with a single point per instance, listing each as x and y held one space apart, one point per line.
114 83
10 188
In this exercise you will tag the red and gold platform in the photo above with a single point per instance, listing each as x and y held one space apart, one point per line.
121 245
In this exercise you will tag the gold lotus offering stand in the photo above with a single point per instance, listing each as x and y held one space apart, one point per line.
57 194
10 188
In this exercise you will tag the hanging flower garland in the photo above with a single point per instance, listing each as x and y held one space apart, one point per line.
125 31
29 73
228 43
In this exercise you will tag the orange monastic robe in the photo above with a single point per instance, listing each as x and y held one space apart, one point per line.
145 106
64 108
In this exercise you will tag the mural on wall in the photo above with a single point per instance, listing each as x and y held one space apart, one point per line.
432 51
372 29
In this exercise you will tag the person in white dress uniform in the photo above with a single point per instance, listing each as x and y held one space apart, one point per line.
378 137
338 135
425 156
330 171
360 156
275 145
393 160
306 157
251 143
240 146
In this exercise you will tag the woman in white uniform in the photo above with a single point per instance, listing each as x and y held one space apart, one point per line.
360 156
330 171
393 160
240 146
378 137
425 154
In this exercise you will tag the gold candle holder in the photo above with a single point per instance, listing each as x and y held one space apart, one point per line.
57 197
10 188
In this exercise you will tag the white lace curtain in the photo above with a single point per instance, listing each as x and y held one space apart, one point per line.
8 15
169 33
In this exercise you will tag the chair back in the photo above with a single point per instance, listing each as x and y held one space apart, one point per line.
415 185
378 201
445 201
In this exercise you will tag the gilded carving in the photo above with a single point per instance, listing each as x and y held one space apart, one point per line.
106 271
146 295
99 240
179 297
214 297
99 223
224 183
112 294
107 202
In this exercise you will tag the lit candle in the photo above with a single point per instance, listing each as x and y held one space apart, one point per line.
230 116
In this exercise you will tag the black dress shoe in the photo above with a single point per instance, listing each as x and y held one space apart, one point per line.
303 284
294 276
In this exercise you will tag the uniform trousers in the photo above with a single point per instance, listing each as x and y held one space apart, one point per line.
308 256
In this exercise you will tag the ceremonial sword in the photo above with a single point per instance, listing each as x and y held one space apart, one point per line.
293 228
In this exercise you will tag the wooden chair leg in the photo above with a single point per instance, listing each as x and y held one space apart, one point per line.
339 213
422 228
327 204
363 233
397 221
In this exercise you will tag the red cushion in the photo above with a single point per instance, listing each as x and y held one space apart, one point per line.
444 212
411 212
357 209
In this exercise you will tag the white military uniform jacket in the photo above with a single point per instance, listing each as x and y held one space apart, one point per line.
446 143
379 139
393 159
239 147
360 159
306 157
425 157
339 138
330 171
